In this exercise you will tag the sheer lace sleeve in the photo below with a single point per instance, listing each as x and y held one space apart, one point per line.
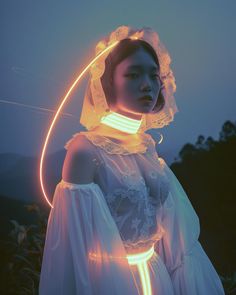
189 267
83 251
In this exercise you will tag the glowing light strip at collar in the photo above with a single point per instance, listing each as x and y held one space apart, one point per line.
121 122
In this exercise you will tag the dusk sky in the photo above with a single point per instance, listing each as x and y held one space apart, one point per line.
45 44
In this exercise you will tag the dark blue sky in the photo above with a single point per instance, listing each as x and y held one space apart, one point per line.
45 44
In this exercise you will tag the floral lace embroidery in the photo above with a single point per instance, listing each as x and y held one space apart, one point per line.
130 179
136 203
163 184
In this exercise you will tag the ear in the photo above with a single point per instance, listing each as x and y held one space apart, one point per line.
108 89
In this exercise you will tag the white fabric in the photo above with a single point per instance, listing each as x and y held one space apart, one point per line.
135 200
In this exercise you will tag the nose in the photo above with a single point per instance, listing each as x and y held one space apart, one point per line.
146 85
146 88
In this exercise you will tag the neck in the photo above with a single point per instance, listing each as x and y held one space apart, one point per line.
121 123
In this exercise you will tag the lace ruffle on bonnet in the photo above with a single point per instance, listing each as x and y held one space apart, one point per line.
95 105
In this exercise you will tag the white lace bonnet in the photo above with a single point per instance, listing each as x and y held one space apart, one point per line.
95 105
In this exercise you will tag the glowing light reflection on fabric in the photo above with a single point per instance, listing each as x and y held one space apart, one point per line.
140 260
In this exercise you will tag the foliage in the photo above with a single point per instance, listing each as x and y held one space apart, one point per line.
24 249
227 132
207 171
229 283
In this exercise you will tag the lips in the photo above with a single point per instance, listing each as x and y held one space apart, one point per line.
146 98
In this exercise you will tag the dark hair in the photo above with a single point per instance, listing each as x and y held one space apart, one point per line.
125 48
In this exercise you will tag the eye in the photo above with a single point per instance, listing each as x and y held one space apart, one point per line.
156 76
132 75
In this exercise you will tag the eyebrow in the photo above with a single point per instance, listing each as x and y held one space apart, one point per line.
140 67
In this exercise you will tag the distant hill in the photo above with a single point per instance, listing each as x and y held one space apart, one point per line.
19 175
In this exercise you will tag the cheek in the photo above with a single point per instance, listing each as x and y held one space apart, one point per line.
125 88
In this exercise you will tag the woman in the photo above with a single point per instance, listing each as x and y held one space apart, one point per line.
121 222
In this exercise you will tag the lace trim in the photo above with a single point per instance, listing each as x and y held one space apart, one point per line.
114 148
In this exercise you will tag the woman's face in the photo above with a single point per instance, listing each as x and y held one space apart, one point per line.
135 77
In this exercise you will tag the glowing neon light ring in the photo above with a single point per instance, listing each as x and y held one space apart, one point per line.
57 114
61 106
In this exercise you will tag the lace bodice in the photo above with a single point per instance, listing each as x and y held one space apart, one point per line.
135 188
136 212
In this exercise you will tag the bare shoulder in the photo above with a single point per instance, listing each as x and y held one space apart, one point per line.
79 166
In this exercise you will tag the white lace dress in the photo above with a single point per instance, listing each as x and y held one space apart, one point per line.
134 202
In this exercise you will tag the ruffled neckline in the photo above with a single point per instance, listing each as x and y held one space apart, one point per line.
115 148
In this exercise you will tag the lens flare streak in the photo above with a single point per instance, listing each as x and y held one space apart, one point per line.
34 107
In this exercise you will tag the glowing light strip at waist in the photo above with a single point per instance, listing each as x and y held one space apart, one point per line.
140 260
140 257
